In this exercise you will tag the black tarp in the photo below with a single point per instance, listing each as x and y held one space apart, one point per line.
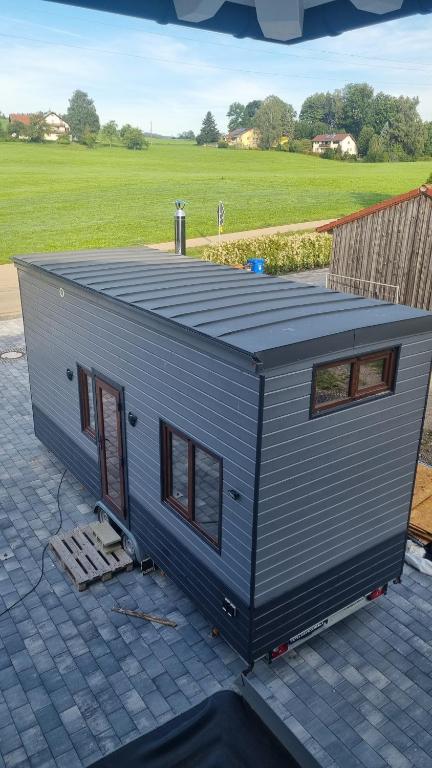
221 732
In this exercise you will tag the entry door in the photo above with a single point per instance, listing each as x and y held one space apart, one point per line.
109 408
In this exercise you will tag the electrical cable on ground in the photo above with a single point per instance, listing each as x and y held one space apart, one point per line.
35 586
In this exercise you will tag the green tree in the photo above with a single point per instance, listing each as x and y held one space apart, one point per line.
209 133
89 139
17 129
384 109
134 138
376 152
305 129
235 116
124 130
364 140
324 108
82 116
274 119
38 128
357 107
187 136
250 111
405 136
428 138
109 132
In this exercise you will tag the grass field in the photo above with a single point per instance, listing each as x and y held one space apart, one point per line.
67 197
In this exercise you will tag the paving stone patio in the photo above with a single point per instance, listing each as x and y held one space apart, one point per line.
77 680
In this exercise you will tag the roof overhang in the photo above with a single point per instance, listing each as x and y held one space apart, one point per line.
283 21
425 191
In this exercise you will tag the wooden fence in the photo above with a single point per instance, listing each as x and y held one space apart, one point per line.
387 254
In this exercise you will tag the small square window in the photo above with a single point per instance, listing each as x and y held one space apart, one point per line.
347 381
192 482
87 409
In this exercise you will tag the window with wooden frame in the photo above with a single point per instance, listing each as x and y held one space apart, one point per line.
192 482
85 388
346 381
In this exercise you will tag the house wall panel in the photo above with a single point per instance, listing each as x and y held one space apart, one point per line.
213 402
333 485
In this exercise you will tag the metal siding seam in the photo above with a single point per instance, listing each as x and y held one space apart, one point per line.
255 515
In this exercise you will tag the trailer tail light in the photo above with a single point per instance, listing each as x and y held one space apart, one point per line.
377 593
279 651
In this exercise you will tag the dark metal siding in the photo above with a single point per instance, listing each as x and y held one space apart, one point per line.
334 486
197 578
298 609
81 465
210 400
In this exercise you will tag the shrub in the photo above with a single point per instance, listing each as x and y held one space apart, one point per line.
134 138
429 180
302 146
282 253
64 139
89 139
222 144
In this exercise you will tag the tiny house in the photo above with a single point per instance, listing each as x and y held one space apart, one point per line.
255 437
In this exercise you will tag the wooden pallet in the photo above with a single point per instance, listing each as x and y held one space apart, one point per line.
84 559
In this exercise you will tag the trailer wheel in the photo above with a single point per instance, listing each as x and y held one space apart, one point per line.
129 547
103 517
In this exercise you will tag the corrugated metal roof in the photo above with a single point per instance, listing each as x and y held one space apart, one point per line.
272 319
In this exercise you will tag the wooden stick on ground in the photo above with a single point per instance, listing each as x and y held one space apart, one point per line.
146 616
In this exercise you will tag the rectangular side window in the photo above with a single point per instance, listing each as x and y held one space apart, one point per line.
192 482
347 381
85 388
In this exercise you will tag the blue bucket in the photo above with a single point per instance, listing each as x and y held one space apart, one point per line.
256 265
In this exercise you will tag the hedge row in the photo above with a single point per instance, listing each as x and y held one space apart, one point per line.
282 253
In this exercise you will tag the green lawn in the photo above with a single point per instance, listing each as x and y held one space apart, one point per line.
67 197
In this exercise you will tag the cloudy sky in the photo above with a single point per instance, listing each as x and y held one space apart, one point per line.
139 72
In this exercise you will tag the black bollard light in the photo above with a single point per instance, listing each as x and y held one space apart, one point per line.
180 228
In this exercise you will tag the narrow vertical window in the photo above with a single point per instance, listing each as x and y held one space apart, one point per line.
192 482
85 387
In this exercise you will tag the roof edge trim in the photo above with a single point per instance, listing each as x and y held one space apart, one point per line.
425 190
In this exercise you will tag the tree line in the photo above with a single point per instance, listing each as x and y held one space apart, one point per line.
85 127
386 128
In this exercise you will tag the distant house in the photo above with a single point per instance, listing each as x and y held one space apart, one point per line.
325 141
56 125
246 138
